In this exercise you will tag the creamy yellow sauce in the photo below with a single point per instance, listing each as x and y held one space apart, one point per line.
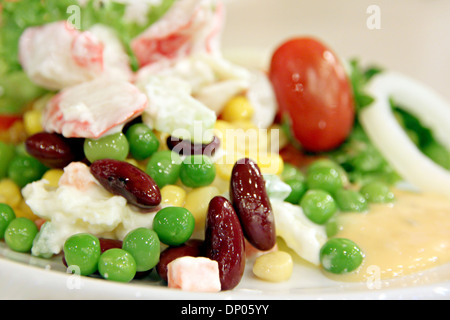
409 236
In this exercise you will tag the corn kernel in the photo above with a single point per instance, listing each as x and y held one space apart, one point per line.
274 266
224 165
238 109
32 122
53 176
222 125
41 103
247 140
172 195
241 141
10 193
16 134
162 138
24 211
197 202
270 163
222 185
138 164
245 125
220 130
224 170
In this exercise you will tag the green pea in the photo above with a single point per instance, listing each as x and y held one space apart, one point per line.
117 265
197 171
324 176
291 172
174 225
332 227
143 244
369 160
82 250
113 146
21 149
143 142
324 162
25 169
318 206
298 189
7 153
377 192
20 234
339 255
6 216
350 201
330 163
164 167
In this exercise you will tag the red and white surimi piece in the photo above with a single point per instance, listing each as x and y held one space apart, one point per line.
56 55
77 175
190 26
195 274
93 109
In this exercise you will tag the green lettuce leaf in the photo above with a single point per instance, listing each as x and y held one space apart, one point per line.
422 136
359 77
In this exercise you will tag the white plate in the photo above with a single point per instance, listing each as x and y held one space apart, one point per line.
411 40
25 277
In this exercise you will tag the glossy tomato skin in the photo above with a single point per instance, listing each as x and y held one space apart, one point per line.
314 91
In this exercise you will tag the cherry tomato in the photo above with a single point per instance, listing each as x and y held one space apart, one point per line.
6 121
313 90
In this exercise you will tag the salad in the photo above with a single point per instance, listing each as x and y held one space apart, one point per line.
130 146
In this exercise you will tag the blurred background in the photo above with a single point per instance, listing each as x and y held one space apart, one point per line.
413 35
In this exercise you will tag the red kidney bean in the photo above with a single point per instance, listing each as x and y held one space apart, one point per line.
124 179
53 150
251 202
192 248
224 241
186 147
106 244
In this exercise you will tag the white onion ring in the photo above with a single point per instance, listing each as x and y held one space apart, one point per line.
389 137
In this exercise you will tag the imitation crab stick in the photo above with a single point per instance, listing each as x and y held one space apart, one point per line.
189 26
56 55
106 105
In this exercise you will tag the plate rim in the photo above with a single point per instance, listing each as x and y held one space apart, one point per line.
90 288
